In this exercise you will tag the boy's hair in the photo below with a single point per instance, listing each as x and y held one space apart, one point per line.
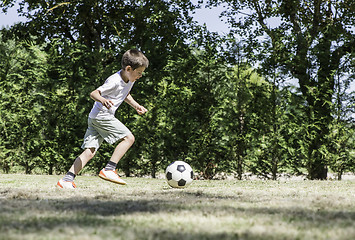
135 59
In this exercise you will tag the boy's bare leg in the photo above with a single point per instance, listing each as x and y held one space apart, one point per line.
108 173
79 163
122 148
82 160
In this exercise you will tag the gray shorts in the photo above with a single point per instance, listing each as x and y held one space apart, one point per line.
110 130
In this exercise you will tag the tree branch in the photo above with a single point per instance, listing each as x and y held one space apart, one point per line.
261 18
316 18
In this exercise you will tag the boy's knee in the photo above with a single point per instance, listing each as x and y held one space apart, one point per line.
130 138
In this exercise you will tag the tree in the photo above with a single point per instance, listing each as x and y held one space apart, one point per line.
23 68
106 25
341 137
309 43
87 39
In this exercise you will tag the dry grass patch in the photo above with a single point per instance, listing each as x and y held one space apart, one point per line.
32 208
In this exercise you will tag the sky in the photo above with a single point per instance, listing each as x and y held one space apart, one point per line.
207 16
10 18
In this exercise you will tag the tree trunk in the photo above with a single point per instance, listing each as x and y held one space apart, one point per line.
317 170
317 165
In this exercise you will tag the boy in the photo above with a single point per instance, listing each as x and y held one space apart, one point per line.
102 124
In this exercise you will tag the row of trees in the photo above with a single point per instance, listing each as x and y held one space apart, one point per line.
206 103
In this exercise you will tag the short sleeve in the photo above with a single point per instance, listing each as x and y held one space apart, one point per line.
108 87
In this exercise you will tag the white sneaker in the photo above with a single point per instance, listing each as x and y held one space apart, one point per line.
65 184
111 176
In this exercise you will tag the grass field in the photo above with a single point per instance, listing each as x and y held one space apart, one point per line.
32 208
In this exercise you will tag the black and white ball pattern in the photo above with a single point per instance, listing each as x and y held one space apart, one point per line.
179 174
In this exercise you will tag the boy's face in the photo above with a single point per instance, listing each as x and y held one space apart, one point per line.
135 74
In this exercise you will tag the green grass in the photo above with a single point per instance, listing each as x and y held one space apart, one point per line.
32 208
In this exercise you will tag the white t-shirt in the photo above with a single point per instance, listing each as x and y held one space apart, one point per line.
114 89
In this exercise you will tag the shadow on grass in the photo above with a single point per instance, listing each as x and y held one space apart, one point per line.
31 214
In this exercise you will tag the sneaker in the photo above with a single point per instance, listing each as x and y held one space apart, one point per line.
111 176
65 184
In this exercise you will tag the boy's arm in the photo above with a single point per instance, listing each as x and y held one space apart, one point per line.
140 109
96 96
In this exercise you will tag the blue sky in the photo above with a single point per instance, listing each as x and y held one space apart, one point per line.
10 17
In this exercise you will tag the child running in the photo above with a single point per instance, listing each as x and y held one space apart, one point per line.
102 123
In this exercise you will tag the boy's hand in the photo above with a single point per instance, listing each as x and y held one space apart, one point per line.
141 110
107 103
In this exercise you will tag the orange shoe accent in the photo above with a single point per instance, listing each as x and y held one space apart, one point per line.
102 174
59 185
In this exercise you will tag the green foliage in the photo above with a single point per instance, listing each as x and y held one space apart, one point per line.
206 104
310 41
341 156
22 70
45 96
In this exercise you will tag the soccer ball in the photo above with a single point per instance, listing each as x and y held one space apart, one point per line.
179 174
